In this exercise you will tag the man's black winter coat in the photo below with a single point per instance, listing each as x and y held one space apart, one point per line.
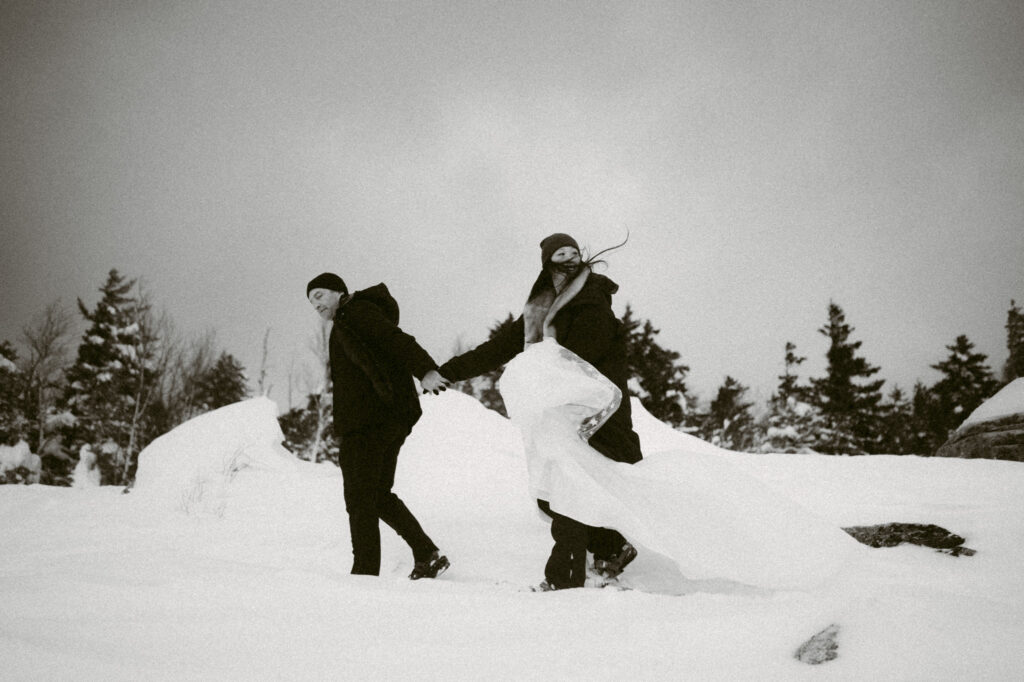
373 362
587 326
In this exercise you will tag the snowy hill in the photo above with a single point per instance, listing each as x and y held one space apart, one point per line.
230 560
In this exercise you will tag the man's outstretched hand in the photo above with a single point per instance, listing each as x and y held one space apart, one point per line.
433 382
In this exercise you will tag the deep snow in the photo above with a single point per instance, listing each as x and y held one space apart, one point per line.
231 563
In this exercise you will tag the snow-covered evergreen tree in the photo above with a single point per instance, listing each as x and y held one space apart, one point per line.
13 423
967 382
108 383
788 425
1014 367
729 423
657 377
849 410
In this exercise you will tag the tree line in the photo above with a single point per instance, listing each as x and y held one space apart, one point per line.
842 412
133 378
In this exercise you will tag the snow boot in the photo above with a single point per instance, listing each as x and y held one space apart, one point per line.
545 586
431 568
611 568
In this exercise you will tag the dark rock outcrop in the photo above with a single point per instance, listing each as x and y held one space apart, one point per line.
820 648
926 535
1001 438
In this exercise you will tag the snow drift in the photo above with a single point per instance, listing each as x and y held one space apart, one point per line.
192 466
1008 401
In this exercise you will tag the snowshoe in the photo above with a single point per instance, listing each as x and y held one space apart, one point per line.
431 568
611 568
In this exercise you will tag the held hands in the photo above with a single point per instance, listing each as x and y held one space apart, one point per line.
433 382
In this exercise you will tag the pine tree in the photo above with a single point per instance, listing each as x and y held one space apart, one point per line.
927 425
849 411
788 426
109 385
896 424
222 384
297 425
487 385
309 431
656 376
1014 367
788 385
729 423
967 383
13 423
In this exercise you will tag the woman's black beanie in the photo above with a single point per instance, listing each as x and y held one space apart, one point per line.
553 243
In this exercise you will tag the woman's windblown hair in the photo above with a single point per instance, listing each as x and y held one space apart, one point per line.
590 261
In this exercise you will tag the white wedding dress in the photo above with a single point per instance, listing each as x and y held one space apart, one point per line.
712 521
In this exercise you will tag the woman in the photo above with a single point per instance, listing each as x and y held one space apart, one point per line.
571 304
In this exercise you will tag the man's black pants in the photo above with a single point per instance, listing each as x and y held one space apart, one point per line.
368 460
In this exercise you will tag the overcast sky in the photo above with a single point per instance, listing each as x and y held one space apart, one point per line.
765 158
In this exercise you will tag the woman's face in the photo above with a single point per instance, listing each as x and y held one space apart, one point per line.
567 255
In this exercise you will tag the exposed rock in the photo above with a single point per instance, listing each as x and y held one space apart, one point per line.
927 535
820 648
1001 438
995 430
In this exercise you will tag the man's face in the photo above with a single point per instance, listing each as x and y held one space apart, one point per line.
325 301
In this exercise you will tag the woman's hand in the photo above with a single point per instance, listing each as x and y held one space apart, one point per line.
433 382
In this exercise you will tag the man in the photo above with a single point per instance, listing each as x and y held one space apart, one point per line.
375 406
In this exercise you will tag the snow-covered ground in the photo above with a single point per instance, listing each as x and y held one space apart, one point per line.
231 562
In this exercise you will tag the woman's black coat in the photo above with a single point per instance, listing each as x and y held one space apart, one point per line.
373 362
587 326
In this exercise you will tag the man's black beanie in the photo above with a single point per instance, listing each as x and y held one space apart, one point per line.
326 280
553 243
